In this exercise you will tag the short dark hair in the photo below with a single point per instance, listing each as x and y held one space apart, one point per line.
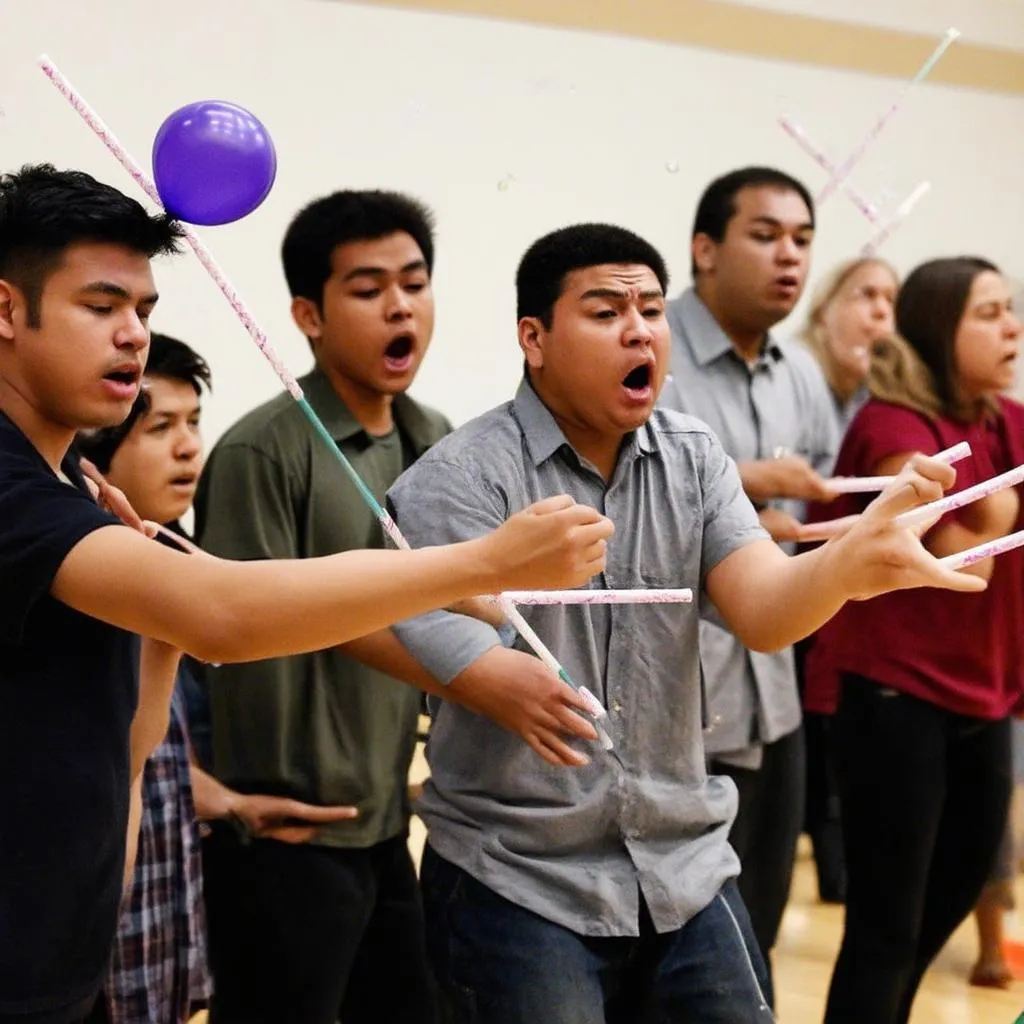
43 211
717 205
929 307
542 271
348 216
168 357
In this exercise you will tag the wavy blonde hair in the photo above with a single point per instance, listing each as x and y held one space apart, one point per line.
815 334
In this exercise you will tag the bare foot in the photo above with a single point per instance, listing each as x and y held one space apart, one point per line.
991 974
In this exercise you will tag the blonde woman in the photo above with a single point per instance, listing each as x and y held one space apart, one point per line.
852 309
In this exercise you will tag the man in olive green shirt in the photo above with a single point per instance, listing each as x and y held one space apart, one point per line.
332 928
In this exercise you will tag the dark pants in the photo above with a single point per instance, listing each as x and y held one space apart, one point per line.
766 830
304 934
925 796
501 964
822 818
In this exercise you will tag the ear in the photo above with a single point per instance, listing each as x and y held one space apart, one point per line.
307 317
531 340
8 297
704 252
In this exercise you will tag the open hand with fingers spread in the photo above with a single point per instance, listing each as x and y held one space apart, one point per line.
875 555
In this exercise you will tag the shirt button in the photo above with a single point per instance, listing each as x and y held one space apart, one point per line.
616 707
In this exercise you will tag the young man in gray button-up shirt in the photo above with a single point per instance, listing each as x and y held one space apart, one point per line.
768 404
607 892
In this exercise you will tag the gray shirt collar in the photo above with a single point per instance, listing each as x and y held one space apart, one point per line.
698 328
544 436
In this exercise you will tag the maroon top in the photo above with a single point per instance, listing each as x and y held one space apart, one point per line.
963 652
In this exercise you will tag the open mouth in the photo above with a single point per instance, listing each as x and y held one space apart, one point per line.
638 381
123 384
185 480
123 376
399 352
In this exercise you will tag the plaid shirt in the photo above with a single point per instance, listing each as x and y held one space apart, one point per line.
158 969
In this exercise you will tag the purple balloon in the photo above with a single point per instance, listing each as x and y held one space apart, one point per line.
213 162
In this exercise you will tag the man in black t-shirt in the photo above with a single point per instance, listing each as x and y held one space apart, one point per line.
76 292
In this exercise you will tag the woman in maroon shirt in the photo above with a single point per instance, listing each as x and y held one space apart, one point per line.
927 679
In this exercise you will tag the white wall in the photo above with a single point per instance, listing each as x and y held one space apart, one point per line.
448 107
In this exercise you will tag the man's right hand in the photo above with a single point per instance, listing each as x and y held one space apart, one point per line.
552 544
520 693
790 476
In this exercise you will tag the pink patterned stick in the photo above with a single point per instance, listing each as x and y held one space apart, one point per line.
811 532
962 559
901 214
535 597
847 166
866 484
917 516
107 137
797 133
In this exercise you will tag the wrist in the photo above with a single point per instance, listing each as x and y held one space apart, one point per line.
479 567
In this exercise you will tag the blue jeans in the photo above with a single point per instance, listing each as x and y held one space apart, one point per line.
502 964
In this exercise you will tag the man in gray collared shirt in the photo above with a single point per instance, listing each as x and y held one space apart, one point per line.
606 893
769 406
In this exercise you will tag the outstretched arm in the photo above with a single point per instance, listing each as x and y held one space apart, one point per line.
224 611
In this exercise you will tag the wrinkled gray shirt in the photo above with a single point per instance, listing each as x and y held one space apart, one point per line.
579 845
779 402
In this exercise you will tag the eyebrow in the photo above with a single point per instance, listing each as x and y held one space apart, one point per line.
616 293
116 290
381 271
772 222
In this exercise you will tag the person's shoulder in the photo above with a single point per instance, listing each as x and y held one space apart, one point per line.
430 422
276 424
878 413
479 445
681 436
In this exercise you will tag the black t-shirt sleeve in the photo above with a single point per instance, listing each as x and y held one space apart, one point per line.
41 520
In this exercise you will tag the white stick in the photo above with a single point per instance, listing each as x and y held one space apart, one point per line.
917 516
866 484
1000 546
653 596
901 214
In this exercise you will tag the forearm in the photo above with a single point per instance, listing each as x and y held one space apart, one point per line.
213 800
222 611
132 835
158 669
383 651
775 599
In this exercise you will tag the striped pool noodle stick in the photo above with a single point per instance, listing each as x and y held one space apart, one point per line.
999 546
108 138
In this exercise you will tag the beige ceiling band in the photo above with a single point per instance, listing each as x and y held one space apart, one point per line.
755 32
